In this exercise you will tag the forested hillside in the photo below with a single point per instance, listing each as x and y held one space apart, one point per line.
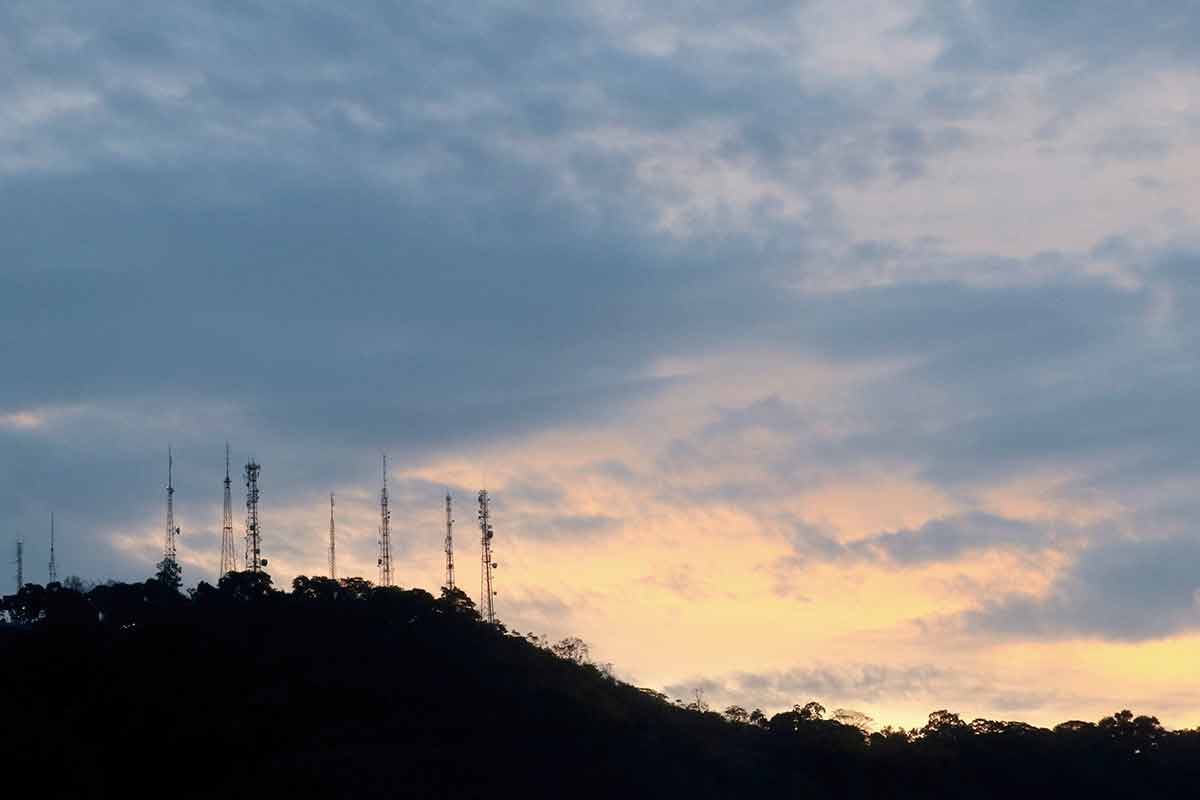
341 689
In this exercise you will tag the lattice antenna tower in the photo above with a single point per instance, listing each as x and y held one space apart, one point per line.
254 560
169 549
53 568
385 532
20 562
486 593
332 542
449 545
228 545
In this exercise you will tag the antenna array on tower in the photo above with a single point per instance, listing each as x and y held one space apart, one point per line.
385 533
254 560
449 545
486 593
169 546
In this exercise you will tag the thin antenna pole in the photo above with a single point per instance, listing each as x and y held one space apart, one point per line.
385 533
228 548
53 566
20 563
254 560
332 542
168 569
169 547
449 545
486 593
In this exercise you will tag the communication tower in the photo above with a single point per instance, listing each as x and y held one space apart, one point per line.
228 547
486 593
254 560
53 567
332 542
449 545
168 568
20 562
385 533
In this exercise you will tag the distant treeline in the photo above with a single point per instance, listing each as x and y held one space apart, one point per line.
344 689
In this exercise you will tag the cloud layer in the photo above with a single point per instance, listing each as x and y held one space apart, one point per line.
805 327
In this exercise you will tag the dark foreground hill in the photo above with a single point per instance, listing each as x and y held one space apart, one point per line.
344 690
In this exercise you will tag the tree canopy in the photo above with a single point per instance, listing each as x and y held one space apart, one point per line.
342 688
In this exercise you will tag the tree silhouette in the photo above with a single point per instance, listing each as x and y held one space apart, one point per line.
169 573
457 601
27 606
245 587
573 649
811 711
340 688
736 714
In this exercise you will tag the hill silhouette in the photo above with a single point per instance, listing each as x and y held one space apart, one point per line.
342 689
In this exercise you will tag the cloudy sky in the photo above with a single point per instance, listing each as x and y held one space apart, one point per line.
835 350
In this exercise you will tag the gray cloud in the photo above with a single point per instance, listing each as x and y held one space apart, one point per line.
1129 590
1133 144
998 35
322 233
867 682
998 380
861 683
911 146
938 540
952 537
543 525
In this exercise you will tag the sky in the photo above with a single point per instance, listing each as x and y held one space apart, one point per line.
820 350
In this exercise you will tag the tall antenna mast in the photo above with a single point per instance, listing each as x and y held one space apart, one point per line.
228 548
332 542
168 568
385 533
169 546
449 545
486 593
53 566
254 560
20 563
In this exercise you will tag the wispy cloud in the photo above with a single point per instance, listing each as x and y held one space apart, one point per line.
21 420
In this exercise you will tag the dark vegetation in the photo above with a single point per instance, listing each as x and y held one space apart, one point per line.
341 689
